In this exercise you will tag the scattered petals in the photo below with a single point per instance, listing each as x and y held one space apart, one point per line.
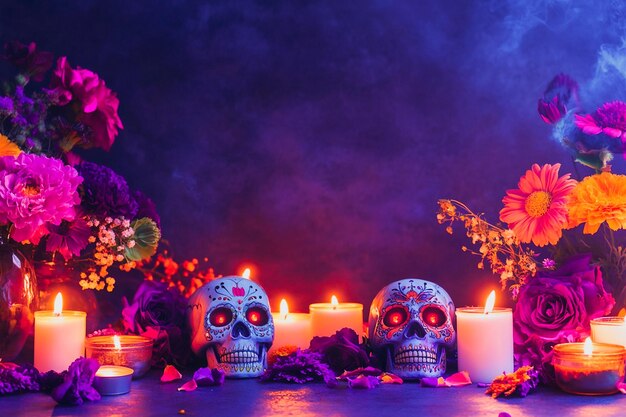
205 377
621 386
521 382
188 386
389 378
364 382
170 373
369 371
455 380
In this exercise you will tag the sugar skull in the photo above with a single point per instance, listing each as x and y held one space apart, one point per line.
231 323
410 328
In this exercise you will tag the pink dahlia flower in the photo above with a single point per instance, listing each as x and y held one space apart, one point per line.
98 104
537 210
609 119
35 190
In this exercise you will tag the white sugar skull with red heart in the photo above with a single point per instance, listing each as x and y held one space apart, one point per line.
231 323
410 328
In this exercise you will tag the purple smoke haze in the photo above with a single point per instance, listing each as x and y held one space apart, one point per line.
313 139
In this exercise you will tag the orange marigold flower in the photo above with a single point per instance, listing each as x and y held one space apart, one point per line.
8 148
597 199
537 210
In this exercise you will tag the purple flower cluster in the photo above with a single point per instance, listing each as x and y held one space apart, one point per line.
105 193
77 386
15 378
299 367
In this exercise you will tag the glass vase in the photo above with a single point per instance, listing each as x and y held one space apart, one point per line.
57 276
19 299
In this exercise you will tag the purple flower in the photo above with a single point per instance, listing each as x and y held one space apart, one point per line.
34 191
209 377
609 119
68 238
556 307
158 312
28 59
97 103
105 193
77 385
6 105
341 351
299 367
16 378
147 208
552 107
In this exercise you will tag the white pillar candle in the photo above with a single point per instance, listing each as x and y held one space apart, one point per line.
610 330
291 329
328 318
485 341
59 337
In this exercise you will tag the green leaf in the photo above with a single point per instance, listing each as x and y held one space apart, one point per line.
147 236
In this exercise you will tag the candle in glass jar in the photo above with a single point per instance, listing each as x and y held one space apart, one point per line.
122 350
291 329
59 337
588 368
328 318
610 330
485 340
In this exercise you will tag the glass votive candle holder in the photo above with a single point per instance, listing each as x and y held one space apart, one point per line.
132 351
581 373
610 329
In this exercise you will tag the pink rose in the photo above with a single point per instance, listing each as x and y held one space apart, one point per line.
97 104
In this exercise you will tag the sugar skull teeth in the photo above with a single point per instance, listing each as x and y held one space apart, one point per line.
411 326
231 323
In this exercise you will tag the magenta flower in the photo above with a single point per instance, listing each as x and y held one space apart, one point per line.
552 107
97 103
68 238
36 191
609 119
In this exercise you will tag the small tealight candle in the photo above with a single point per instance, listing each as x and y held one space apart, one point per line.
125 350
610 330
59 337
291 329
113 380
588 368
485 340
328 318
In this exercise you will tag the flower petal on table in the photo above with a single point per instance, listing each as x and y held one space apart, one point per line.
364 381
459 379
389 378
188 386
170 373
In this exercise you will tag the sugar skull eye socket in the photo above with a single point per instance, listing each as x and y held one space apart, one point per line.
433 316
395 317
221 316
257 316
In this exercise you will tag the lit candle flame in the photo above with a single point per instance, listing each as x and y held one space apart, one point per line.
246 273
284 309
491 301
588 347
116 343
58 305
334 302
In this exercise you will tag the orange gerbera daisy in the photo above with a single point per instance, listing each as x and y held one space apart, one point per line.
8 148
537 210
597 199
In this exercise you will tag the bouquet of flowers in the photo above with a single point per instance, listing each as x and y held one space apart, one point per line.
561 277
52 202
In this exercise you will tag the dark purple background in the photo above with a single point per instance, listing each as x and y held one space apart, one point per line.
313 140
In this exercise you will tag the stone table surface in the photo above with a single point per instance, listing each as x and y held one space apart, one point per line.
149 397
